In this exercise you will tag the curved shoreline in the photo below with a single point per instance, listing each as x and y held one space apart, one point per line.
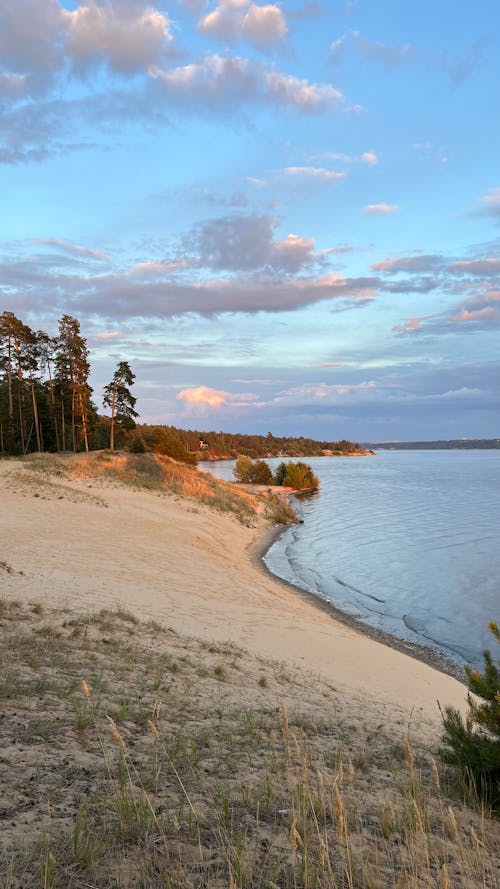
422 653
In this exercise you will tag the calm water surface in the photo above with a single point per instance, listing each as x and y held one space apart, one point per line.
408 541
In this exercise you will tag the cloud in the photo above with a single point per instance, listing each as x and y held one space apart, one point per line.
460 69
481 267
69 247
38 38
240 19
423 262
124 36
489 204
205 396
327 394
227 81
200 398
315 174
473 314
245 243
371 50
366 157
390 56
381 209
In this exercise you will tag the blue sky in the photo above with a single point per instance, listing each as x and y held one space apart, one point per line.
284 216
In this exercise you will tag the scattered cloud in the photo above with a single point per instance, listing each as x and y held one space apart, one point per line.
316 174
260 25
200 398
422 262
370 157
476 313
371 50
124 36
226 81
246 243
489 204
481 267
69 247
460 69
381 209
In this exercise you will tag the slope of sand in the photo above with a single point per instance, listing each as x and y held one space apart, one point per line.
88 545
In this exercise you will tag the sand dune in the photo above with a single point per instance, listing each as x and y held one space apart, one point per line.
91 544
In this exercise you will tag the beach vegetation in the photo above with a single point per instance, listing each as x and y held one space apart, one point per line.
212 778
299 476
472 744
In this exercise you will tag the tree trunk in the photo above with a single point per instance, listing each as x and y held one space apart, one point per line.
63 425
112 432
73 428
84 425
35 418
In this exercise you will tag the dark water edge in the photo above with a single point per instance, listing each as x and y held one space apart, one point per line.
424 654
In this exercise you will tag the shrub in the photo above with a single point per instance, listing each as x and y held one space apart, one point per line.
300 476
474 744
242 469
137 445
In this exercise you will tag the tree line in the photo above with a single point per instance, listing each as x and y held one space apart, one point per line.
45 396
46 405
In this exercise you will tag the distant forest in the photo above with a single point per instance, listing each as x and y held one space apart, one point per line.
451 445
46 405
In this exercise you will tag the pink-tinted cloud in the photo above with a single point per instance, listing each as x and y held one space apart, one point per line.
232 20
125 36
481 267
423 262
69 247
201 398
220 81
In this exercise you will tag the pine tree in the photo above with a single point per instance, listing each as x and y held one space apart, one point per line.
118 397
473 744
73 372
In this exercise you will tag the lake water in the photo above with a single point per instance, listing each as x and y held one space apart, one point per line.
407 541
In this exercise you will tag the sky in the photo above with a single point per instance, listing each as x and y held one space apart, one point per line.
284 216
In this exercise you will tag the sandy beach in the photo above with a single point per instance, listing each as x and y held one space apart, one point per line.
90 544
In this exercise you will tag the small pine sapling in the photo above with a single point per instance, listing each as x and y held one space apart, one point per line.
473 744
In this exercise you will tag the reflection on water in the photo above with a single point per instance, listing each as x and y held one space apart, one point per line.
407 541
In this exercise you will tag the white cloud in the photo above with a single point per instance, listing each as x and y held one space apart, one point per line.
318 174
370 157
381 209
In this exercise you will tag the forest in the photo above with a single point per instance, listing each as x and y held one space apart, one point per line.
46 405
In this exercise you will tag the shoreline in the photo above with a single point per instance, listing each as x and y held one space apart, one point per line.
425 654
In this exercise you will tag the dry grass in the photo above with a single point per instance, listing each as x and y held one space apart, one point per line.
133 757
151 472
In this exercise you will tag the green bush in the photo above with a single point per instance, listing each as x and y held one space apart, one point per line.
300 476
292 475
473 744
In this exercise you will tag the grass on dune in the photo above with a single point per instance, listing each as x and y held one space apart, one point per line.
151 472
134 757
